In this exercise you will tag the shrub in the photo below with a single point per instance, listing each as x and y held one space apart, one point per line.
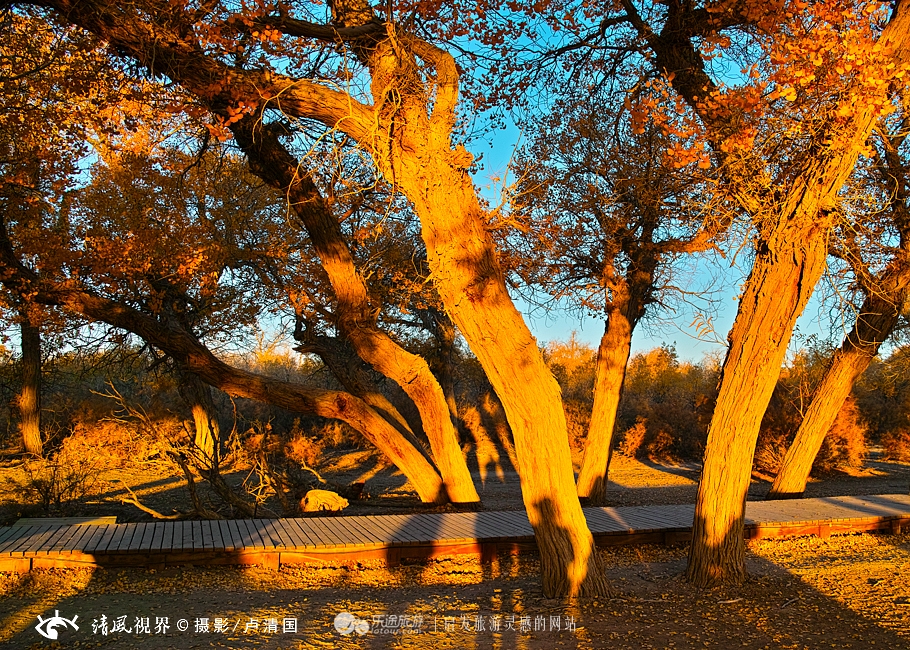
844 448
56 483
897 445
633 438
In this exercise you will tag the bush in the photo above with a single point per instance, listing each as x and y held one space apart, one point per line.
897 445
57 483
633 438
844 448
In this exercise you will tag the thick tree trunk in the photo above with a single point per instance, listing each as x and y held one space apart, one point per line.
355 315
612 358
876 319
467 275
29 399
198 396
776 292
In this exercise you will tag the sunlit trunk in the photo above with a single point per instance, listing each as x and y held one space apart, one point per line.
776 292
207 433
468 277
612 358
29 399
354 314
874 323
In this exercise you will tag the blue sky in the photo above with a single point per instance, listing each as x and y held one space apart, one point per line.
679 327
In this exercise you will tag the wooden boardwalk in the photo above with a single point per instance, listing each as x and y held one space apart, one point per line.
397 538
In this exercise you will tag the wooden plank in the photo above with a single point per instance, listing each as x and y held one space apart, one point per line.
277 533
64 542
58 533
129 531
114 543
148 536
217 543
427 527
208 542
455 527
197 535
298 539
307 538
74 543
36 540
366 531
105 539
87 544
341 533
8 532
260 528
186 537
13 540
252 538
162 530
227 539
324 536
237 538
64 521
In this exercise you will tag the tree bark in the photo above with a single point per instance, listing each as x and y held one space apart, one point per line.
470 282
779 285
198 396
876 319
612 358
29 399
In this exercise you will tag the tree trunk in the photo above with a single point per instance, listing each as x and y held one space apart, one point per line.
468 277
612 358
352 373
876 319
776 292
198 396
198 359
29 399
355 316
443 361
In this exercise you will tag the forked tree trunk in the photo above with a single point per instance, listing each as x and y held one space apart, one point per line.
612 359
778 287
467 274
876 319
29 399
207 433
352 373
354 314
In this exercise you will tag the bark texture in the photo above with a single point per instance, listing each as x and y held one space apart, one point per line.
776 292
28 400
207 432
612 359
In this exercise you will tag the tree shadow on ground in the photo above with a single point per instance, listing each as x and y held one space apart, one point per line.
775 608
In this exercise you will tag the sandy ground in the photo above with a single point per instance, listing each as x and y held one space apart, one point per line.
849 591
844 592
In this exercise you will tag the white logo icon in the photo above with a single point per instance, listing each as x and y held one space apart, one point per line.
346 623
55 621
